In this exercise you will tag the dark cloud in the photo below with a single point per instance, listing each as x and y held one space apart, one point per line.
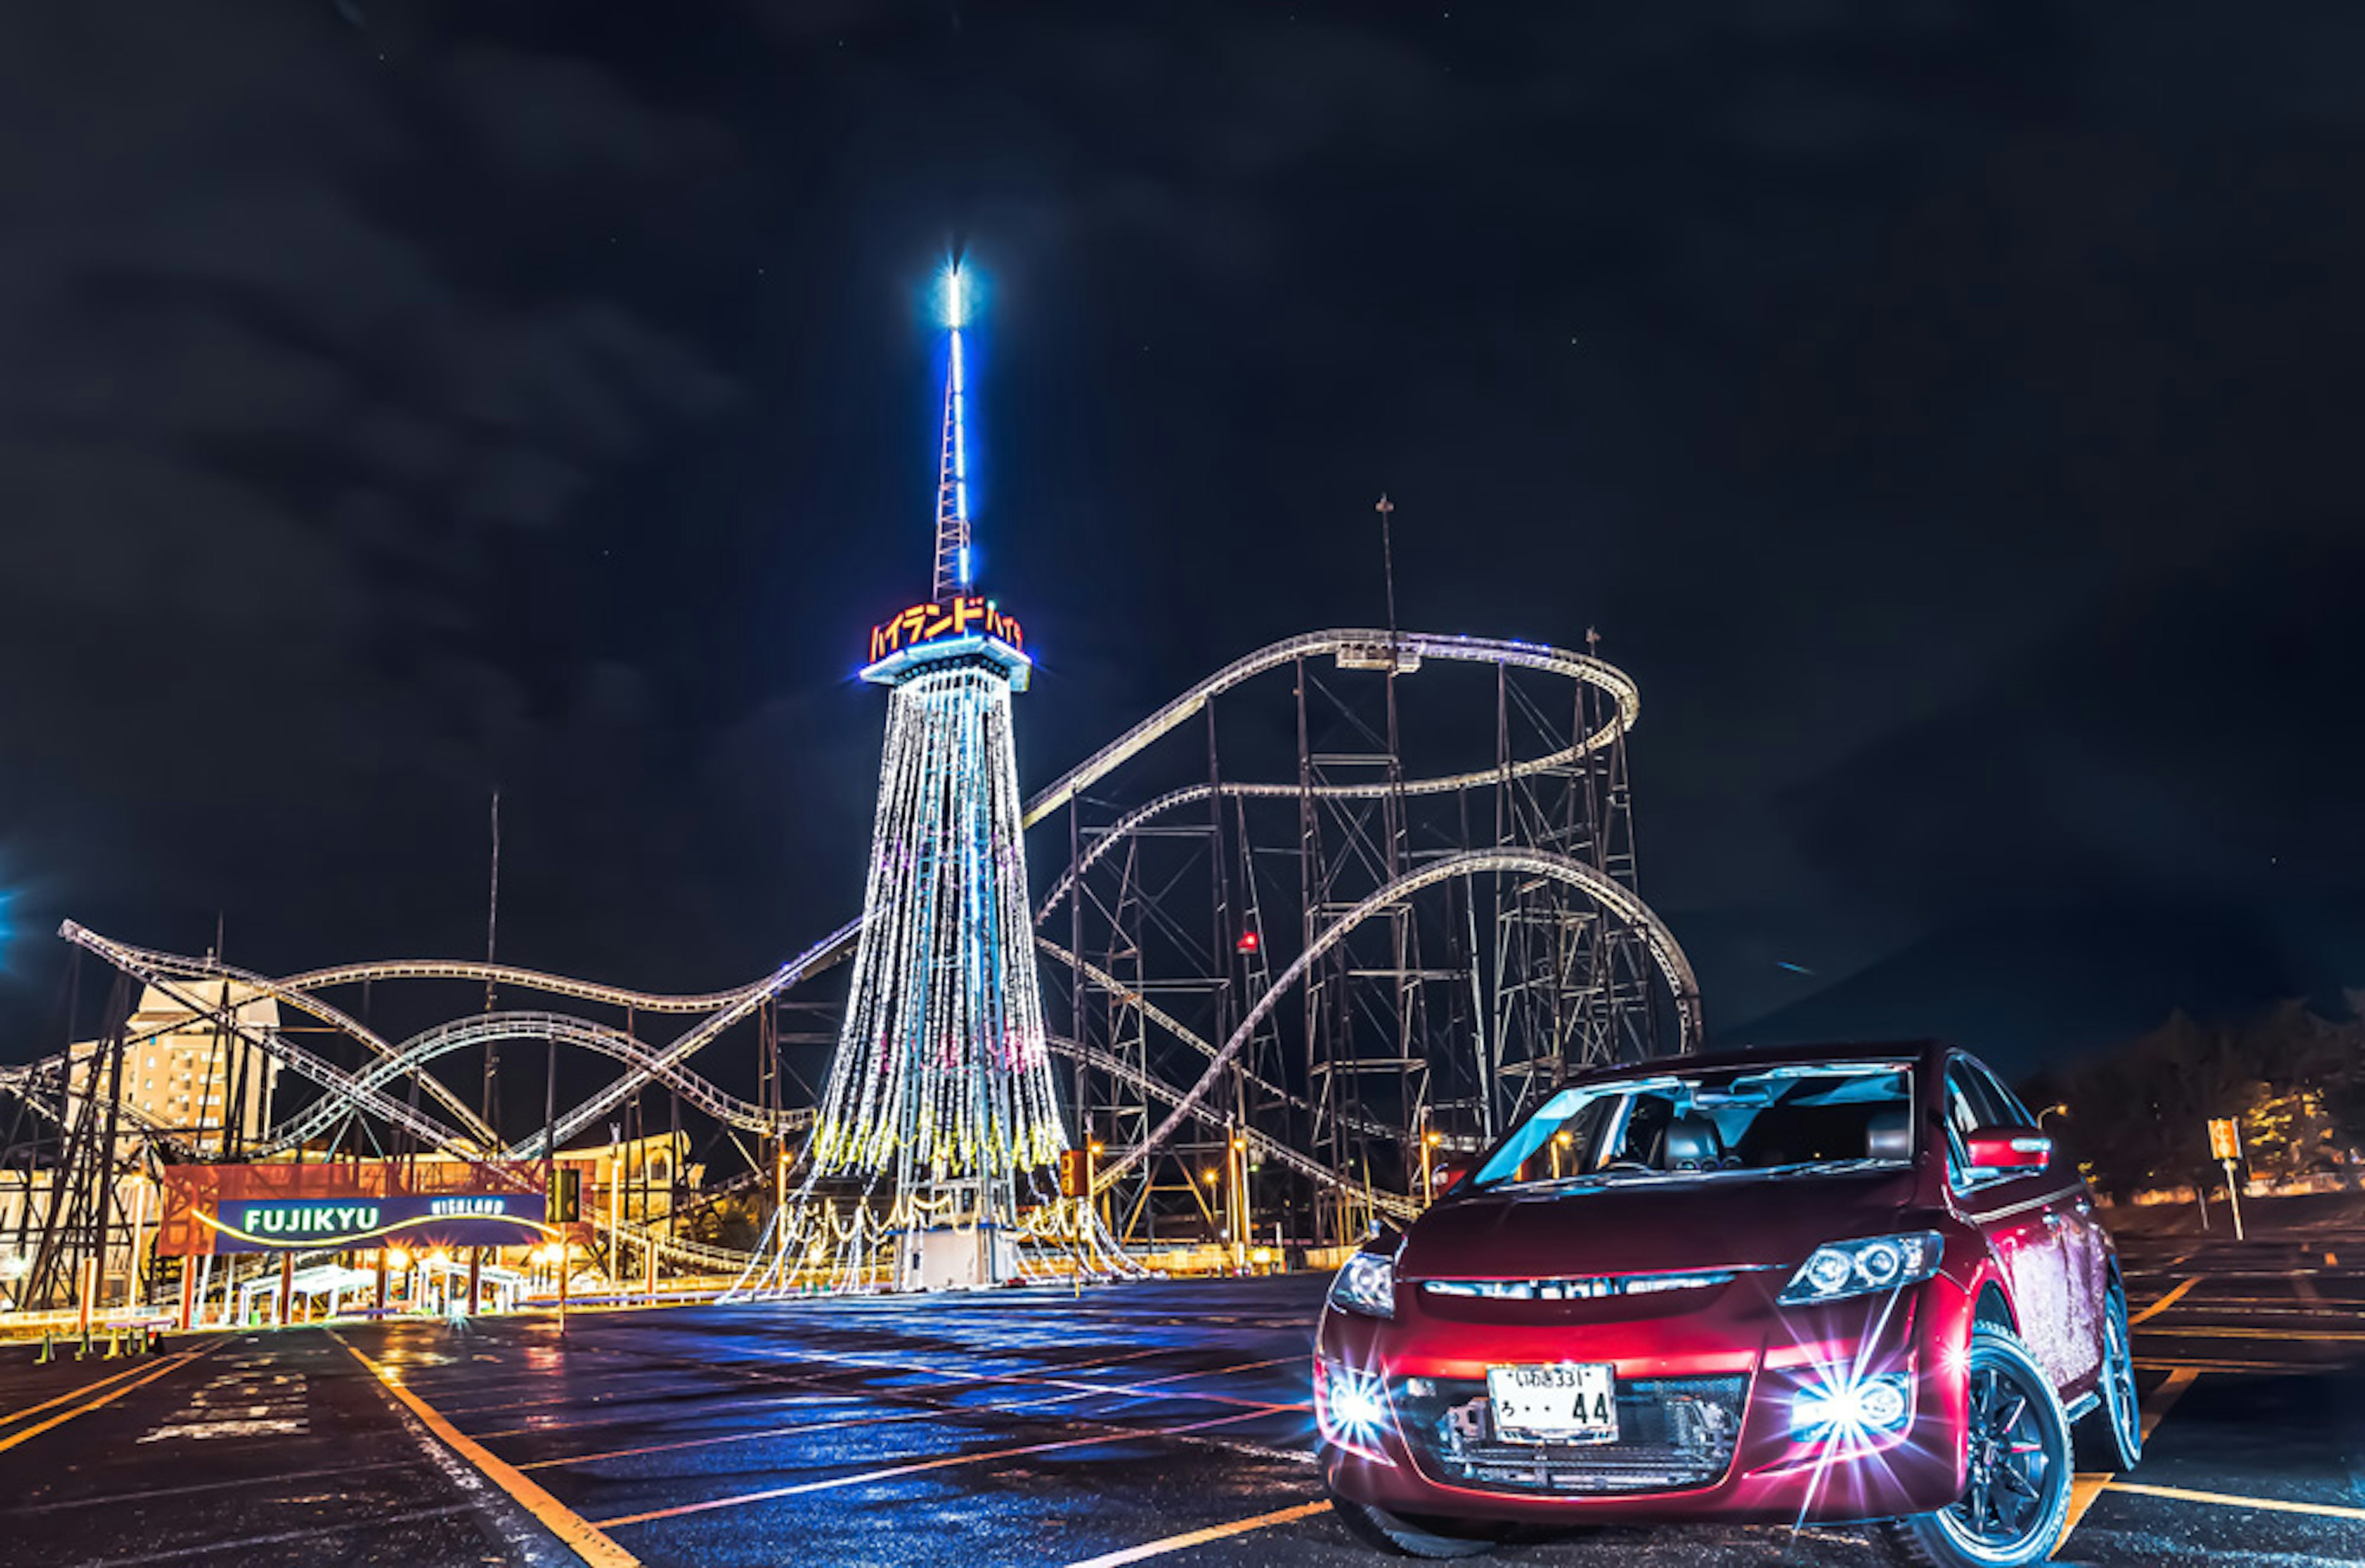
1941 409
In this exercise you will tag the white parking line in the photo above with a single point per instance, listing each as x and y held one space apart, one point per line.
1112 1435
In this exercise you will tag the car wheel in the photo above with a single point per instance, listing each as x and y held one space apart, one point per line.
1375 1526
2011 1510
2111 1437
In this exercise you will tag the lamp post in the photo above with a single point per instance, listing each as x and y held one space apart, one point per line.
1210 1178
1235 1211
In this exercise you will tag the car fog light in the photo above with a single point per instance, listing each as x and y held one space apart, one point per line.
1841 1407
1352 1406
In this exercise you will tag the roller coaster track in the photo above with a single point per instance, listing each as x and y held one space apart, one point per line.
1417 644
837 945
518 980
157 969
1259 1141
1110 985
644 1063
169 973
1611 893
431 1133
36 1081
465 1034
703 1254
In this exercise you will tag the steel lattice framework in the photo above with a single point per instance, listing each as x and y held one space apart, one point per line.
1361 923
1183 1038
1369 956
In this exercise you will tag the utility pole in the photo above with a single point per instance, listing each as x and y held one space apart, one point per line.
492 1110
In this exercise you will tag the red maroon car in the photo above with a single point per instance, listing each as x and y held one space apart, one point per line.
1802 1286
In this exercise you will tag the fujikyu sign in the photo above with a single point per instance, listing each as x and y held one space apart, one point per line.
308 1220
506 1219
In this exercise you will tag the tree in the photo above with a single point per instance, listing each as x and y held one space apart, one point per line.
2138 1116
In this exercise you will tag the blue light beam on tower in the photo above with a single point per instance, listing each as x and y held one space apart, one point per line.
954 550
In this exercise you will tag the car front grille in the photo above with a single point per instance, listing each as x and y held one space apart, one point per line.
1674 1433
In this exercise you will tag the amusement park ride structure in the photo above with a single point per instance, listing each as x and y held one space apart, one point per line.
1330 918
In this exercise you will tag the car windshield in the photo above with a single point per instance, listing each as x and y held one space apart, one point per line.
1807 1119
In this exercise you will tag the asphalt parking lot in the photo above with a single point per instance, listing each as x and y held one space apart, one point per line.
1152 1422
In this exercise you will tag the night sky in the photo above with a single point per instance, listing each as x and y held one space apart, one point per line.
1948 412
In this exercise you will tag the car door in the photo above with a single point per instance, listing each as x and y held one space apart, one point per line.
2022 1213
2079 1230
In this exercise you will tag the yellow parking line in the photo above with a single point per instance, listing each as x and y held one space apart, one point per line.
2225 1364
2089 1486
2302 1336
580 1536
62 1416
71 1394
2164 1302
1200 1537
2227 1500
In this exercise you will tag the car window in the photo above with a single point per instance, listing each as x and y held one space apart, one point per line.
1975 1100
2009 1110
1805 1117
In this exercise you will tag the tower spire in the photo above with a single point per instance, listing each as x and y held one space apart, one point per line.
952 575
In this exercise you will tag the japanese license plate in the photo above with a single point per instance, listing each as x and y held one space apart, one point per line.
1571 1403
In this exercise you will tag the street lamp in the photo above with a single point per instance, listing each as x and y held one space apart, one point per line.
2058 1107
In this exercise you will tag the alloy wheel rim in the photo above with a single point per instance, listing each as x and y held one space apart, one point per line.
2005 1503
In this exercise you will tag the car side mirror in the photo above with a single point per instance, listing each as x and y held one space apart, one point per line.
2006 1148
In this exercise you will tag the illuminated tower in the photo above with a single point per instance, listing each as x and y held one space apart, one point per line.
941 1100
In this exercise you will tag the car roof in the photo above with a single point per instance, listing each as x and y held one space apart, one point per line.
1769 1056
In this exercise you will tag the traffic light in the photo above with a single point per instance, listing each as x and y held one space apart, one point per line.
1076 1173
566 1194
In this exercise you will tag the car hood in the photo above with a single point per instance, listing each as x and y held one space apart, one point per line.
1643 1225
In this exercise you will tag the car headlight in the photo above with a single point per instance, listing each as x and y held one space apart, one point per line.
1367 1285
1841 1268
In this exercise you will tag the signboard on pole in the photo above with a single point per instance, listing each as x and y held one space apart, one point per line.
2226 1146
334 1206
473 1219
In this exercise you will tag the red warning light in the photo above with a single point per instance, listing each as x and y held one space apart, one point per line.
1248 941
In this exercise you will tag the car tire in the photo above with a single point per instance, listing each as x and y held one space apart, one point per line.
2001 1522
1375 1526
2111 1436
